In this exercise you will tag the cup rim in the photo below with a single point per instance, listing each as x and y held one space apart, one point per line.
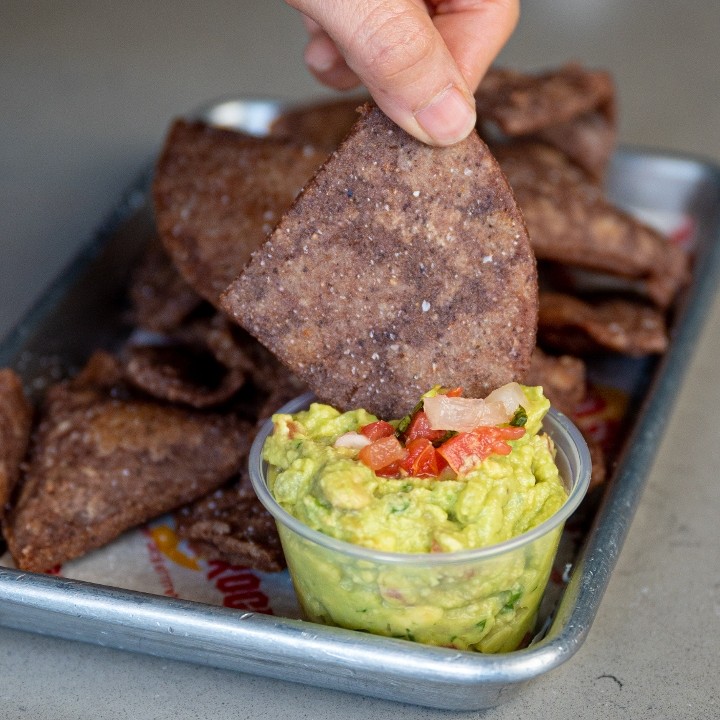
574 445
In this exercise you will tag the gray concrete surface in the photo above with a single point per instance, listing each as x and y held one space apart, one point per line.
86 92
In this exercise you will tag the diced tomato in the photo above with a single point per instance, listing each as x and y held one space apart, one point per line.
419 427
415 449
376 430
382 452
445 472
454 392
468 449
509 432
463 449
421 460
389 471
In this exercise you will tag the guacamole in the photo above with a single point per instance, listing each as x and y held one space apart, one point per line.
488 606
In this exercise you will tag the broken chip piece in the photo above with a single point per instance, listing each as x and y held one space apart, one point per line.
399 267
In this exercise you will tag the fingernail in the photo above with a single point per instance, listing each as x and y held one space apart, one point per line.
448 117
320 55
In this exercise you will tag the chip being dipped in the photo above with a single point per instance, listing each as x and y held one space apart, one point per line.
399 267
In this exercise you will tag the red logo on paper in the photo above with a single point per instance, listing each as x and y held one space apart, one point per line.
600 413
240 587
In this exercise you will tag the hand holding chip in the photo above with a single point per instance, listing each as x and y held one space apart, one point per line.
421 61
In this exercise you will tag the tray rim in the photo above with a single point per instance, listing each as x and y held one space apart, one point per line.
87 602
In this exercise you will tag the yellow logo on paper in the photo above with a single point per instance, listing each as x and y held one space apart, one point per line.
167 543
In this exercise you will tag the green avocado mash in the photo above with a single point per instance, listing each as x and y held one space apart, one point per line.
486 605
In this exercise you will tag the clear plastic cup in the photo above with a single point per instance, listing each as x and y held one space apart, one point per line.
484 599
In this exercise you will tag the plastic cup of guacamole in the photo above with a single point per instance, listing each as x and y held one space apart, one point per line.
482 599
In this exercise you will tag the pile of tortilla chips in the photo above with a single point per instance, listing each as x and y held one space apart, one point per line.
341 255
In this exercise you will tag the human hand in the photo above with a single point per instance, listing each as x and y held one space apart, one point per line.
421 60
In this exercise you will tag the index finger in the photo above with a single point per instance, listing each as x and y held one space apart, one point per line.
475 31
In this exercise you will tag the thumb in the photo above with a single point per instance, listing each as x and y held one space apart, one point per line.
401 58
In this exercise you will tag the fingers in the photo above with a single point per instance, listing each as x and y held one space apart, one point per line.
394 48
420 60
475 31
325 61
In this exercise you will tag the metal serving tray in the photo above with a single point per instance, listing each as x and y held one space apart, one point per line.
81 312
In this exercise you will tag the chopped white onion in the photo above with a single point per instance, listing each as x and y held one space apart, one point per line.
465 414
510 395
352 440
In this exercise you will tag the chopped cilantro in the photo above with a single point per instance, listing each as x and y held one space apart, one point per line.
404 422
515 595
519 418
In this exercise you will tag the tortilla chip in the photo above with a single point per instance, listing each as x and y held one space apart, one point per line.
571 108
569 324
223 338
564 382
598 462
524 104
217 195
231 524
563 379
589 141
100 464
322 124
286 388
160 299
571 222
103 372
15 421
269 384
236 349
399 267
185 374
